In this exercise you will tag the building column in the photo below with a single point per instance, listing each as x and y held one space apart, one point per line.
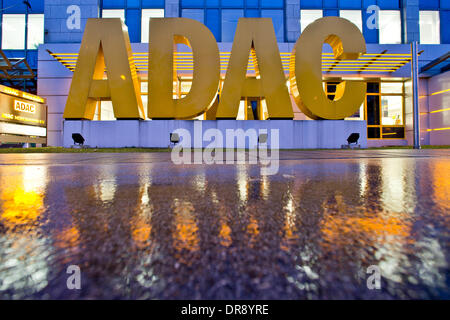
65 19
410 20
292 20
172 8
411 33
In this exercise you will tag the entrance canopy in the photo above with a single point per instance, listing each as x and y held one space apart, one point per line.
382 63
437 66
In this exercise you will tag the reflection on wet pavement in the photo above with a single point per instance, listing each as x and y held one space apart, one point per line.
140 227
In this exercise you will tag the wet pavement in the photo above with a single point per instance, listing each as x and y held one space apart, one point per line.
140 227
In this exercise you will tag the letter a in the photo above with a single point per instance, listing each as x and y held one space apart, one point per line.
105 43
255 34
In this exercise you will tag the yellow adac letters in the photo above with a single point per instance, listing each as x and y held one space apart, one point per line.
164 34
305 76
105 42
255 34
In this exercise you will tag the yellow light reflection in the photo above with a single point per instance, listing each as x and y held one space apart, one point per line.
253 230
68 238
225 235
21 207
265 187
335 228
185 236
290 229
345 227
141 228
141 232
23 196
441 183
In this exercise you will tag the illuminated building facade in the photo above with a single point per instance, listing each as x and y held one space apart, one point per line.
388 26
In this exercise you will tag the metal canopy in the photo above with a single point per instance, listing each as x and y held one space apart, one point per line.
437 66
15 68
369 63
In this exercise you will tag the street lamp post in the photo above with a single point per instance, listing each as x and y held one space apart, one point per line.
415 80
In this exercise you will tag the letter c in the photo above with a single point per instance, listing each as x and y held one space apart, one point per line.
305 75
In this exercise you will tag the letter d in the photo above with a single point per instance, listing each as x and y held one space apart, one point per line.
229 309
164 33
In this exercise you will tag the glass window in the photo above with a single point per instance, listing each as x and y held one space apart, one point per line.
429 27
114 13
384 110
215 3
391 110
113 3
185 87
353 16
392 87
144 87
13 31
309 16
213 22
358 115
35 30
393 132
373 110
373 132
106 111
230 19
373 87
147 14
241 111
271 3
232 3
149 3
390 26
196 14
